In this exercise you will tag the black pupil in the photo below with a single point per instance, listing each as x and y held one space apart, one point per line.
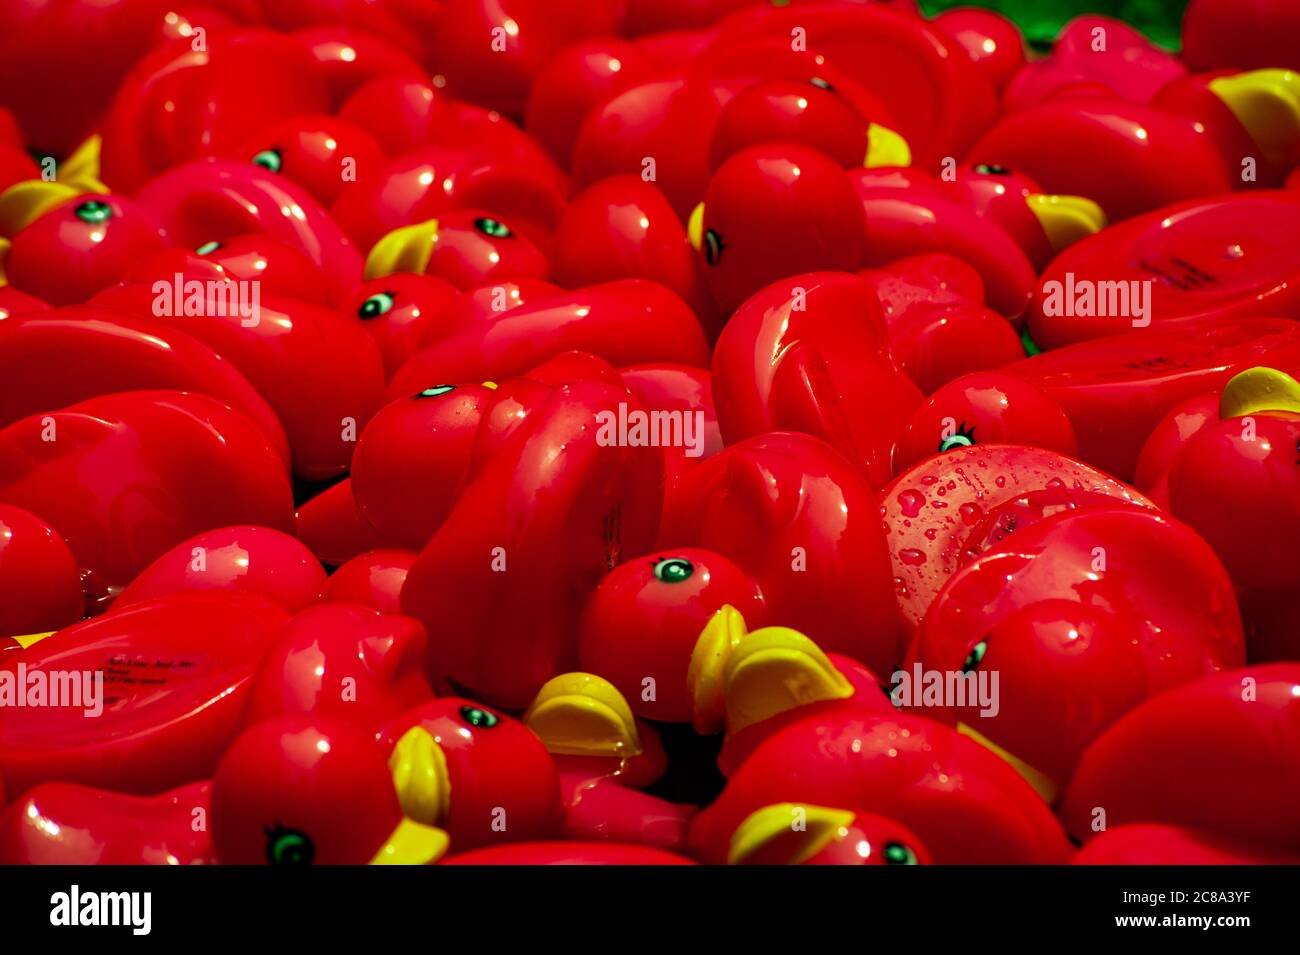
898 854
974 657
478 717
963 438
376 305
289 847
93 211
498 230
674 570
712 247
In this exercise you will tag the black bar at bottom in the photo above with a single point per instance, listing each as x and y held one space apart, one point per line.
819 906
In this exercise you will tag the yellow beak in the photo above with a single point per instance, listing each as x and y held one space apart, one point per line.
579 714
786 833
81 169
714 646
777 669
419 770
1267 103
1066 219
1259 389
1042 783
27 639
403 250
25 202
886 148
738 678
412 843
695 228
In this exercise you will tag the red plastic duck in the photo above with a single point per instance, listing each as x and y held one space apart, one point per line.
1107 603
963 803
200 465
166 680
279 789
810 353
69 824
1218 755
342 660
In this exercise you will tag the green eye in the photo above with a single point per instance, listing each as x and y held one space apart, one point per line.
975 656
898 854
289 847
962 439
821 83
713 246
435 391
207 248
494 228
378 304
673 570
94 211
268 159
988 169
479 717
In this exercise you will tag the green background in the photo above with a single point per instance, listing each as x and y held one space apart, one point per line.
1041 20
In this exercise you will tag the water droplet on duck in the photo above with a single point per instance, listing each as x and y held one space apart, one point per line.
911 502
